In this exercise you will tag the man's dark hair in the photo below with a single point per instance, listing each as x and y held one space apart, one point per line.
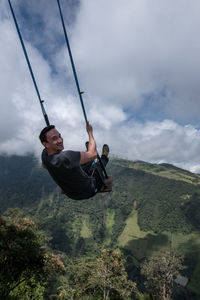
42 136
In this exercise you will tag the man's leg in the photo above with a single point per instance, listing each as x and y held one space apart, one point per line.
87 167
98 173
104 155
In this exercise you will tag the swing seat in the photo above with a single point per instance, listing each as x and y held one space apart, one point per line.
107 185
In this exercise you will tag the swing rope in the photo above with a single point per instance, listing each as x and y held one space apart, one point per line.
76 78
29 66
72 62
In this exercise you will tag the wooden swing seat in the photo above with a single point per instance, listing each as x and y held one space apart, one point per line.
107 186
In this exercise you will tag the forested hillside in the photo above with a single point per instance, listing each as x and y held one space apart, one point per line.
151 207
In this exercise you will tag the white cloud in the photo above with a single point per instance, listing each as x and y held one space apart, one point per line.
130 49
159 142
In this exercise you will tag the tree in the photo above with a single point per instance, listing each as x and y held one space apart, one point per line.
109 275
160 271
105 276
23 261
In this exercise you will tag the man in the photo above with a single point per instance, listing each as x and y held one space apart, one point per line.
69 169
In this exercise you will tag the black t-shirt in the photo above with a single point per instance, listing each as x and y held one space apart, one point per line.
65 169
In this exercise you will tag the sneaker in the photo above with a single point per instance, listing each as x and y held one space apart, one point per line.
105 150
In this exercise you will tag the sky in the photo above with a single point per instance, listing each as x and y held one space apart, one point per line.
138 63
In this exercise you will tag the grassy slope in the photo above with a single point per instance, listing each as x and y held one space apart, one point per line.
85 229
143 243
131 230
164 170
109 223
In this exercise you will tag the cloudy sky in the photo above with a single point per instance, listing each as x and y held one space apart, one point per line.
138 63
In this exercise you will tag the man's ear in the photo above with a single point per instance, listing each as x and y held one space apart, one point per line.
45 144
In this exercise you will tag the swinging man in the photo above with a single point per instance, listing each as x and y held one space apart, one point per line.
73 171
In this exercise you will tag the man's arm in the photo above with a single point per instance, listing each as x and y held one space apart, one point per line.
91 153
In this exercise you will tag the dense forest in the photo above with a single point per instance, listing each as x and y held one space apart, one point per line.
153 211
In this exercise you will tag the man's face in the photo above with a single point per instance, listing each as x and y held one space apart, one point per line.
54 142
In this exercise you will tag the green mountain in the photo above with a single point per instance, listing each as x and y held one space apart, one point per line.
151 207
